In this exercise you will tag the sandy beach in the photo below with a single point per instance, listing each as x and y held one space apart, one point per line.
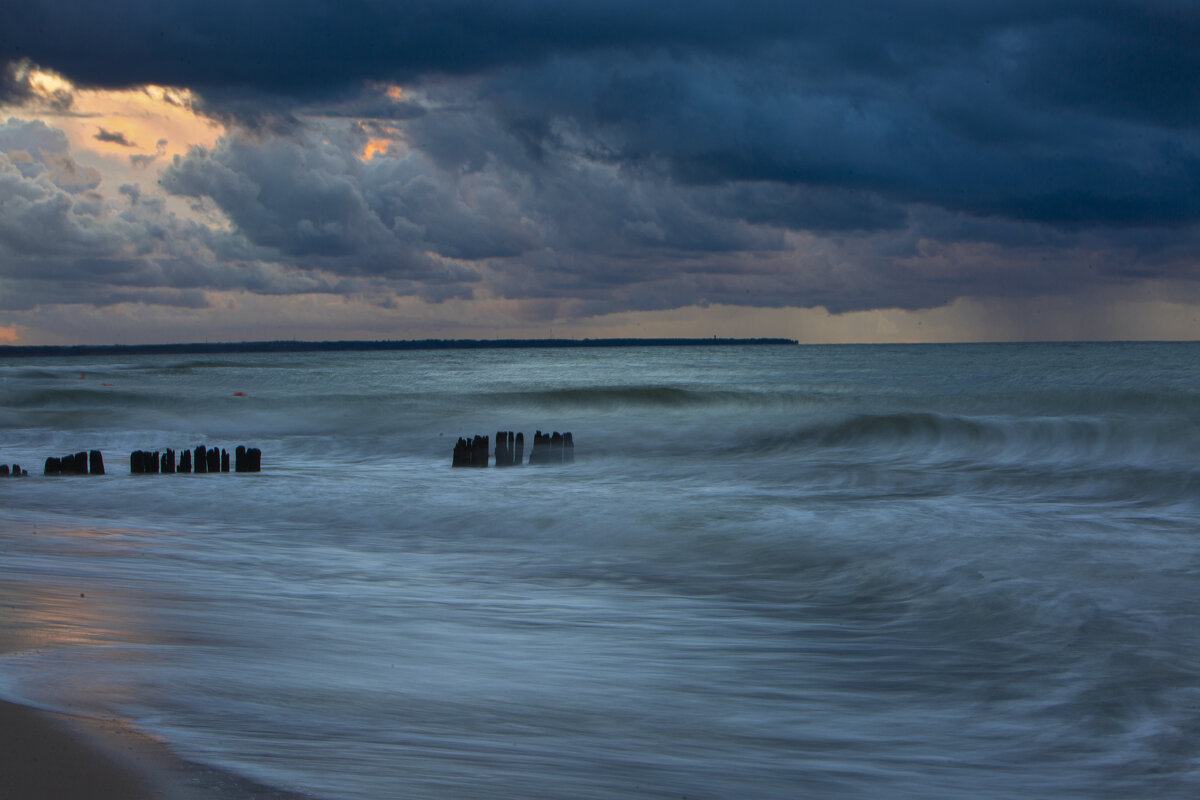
50 755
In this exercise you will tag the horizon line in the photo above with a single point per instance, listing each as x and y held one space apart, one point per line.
299 346
334 345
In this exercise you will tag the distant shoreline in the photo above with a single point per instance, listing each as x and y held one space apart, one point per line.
292 346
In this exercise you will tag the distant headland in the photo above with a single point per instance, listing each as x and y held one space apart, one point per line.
292 346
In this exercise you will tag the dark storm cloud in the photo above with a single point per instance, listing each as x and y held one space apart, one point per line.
624 154
1134 58
1066 113
310 47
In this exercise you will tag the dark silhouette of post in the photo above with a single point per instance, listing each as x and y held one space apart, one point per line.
167 463
96 462
543 448
462 454
502 453
224 460
185 461
200 462
505 453
519 450
479 451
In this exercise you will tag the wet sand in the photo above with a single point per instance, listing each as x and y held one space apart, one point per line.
48 755
41 756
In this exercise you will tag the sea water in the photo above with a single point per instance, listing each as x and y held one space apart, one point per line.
771 572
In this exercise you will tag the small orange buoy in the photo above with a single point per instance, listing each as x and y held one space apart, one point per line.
239 394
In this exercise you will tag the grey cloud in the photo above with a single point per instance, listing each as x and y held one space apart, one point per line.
62 242
112 137
317 202
142 160
40 153
566 223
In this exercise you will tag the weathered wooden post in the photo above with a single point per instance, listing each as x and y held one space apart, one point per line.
213 457
462 453
81 463
200 462
501 449
542 449
239 458
185 461
224 460
136 467
556 448
506 455
519 452
150 461
96 462
167 463
53 466
480 451
254 459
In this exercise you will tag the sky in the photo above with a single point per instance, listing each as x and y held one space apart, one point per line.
860 171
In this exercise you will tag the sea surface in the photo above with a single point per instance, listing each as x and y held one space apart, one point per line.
934 571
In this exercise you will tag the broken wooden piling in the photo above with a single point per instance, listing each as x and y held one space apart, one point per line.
548 448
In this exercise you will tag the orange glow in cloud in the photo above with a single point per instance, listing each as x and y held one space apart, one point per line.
43 83
395 93
144 116
8 335
375 147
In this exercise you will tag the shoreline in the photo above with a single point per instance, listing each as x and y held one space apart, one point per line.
45 754
48 754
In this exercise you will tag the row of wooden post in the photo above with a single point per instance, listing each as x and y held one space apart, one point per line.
555 448
16 471
212 459
90 463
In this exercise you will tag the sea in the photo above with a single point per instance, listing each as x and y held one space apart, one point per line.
777 571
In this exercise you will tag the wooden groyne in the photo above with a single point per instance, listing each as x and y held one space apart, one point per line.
81 463
548 448
153 462
200 461
475 451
